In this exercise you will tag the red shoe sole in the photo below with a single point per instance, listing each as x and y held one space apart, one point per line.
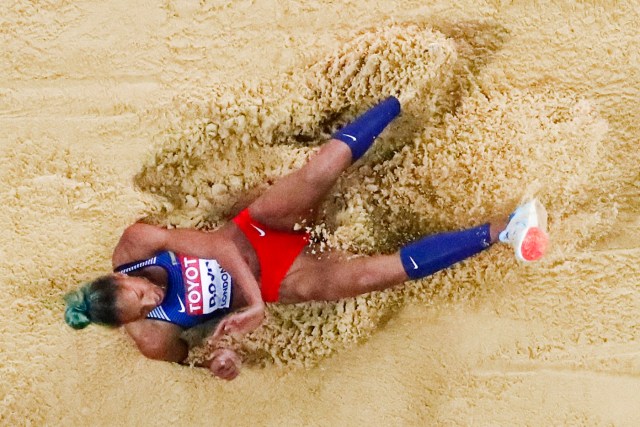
534 244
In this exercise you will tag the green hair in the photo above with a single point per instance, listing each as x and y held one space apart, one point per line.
94 302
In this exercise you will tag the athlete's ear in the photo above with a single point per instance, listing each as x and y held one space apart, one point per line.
119 275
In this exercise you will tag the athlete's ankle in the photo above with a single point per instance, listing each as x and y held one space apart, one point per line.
436 252
497 226
360 134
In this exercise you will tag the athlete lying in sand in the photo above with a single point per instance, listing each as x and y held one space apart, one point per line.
168 280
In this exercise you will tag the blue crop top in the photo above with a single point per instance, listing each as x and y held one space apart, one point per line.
197 289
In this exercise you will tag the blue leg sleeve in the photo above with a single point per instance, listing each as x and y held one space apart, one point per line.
360 134
433 253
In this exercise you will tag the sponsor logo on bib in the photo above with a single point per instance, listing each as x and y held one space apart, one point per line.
207 285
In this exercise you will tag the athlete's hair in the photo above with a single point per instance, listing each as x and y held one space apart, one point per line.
94 302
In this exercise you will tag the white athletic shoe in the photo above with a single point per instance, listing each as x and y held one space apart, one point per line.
527 231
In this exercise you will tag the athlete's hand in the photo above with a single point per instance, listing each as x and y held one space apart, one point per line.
225 364
240 323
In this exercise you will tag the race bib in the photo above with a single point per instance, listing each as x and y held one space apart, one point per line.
207 285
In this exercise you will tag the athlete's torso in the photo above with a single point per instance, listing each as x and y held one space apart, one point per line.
197 289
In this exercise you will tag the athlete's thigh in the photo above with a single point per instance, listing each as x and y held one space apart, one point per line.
282 204
337 275
314 277
294 197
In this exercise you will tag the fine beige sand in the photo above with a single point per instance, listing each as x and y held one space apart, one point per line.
180 111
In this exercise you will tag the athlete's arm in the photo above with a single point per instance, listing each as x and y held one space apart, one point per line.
248 318
141 241
158 340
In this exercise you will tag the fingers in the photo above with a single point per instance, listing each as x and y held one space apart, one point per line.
228 372
225 367
219 332
225 326
238 324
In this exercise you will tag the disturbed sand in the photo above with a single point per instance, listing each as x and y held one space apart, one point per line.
175 110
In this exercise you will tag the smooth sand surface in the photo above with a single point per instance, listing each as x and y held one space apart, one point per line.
174 111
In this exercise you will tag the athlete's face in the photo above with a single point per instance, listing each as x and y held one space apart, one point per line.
136 298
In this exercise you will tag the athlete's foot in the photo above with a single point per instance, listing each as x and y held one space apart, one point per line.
526 231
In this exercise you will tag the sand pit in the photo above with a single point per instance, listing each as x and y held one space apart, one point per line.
180 112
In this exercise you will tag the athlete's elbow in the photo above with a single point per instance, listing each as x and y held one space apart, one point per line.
150 350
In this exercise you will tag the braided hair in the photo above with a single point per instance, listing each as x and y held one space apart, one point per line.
94 302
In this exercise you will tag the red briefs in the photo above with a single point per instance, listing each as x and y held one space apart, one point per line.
276 251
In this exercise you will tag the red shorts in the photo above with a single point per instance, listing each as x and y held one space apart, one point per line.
276 251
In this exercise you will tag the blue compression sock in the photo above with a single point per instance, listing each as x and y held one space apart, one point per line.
433 253
360 134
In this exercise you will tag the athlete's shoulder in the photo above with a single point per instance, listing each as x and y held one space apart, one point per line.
139 241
